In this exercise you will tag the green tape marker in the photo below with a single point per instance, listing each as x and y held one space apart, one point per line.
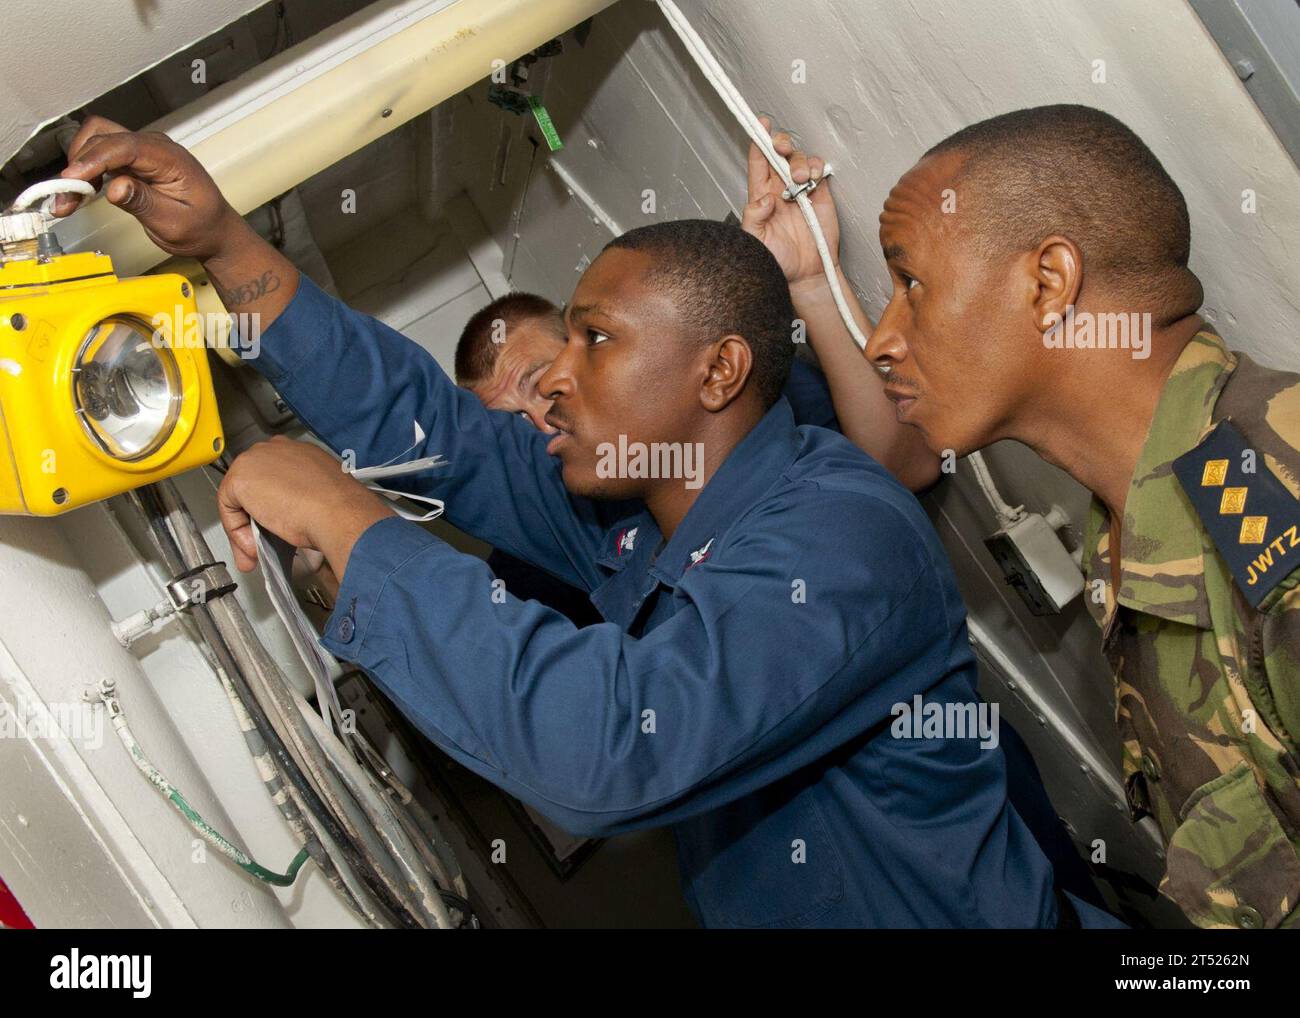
545 123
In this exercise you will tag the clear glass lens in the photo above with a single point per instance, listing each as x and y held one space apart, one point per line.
127 390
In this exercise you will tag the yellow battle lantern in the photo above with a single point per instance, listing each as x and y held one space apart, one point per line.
99 393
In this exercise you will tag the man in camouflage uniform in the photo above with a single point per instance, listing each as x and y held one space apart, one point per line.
1205 640
999 237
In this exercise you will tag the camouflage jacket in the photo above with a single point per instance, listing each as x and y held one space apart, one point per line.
1203 636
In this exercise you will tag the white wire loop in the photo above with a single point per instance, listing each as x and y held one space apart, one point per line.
47 190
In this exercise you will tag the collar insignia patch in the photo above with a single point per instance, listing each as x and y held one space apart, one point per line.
1252 518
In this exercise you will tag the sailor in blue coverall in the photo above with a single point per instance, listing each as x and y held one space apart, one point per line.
511 386
713 699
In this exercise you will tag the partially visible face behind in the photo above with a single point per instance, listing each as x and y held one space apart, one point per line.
626 369
954 333
530 347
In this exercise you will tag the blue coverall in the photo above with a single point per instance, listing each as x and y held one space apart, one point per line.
742 687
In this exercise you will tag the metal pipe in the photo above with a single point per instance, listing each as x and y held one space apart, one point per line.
323 99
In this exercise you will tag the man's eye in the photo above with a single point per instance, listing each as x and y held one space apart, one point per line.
908 282
594 337
523 414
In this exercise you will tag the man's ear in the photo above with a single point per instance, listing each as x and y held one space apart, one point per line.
1057 280
730 362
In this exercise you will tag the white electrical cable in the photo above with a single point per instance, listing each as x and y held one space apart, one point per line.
1006 514
735 102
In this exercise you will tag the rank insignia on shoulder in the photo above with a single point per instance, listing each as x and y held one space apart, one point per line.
1252 518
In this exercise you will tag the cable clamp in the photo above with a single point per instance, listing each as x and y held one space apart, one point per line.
107 691
200 585
809 185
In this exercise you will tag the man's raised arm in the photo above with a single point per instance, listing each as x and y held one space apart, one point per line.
360 386
866 416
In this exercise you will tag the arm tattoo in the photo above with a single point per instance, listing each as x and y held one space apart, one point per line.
247 292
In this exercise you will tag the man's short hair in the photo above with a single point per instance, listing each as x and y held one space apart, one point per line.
489 329
723 281
1079 172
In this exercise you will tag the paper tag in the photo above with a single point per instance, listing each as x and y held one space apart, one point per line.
276 559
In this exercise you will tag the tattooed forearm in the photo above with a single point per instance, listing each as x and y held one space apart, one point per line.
247 292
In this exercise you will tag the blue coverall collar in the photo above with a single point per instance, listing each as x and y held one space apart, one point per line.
749 471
